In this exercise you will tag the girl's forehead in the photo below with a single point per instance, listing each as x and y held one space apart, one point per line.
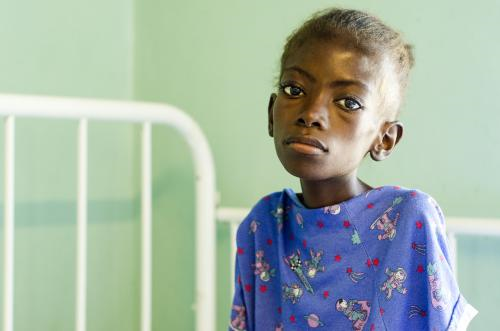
333 57
342 60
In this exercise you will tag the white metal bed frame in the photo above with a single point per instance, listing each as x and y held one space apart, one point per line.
13 106
23 106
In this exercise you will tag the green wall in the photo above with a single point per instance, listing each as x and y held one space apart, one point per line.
84 49
218 60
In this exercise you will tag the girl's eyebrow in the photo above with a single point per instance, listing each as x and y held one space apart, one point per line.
333 84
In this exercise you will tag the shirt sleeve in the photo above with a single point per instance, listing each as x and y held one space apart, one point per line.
447 306
238 319
417 282
241 318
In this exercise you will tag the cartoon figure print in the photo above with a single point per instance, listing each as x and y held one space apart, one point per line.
386 224
356 311
334 209
278 214
313 264
292 293
262 268
394 282
295 264
300 220
354 275
239 321
356 240
253 226
313 321
439 295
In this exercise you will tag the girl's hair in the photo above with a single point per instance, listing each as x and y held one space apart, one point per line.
369 35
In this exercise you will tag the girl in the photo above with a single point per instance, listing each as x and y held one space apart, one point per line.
343 255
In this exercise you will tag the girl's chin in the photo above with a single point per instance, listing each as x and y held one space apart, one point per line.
307 172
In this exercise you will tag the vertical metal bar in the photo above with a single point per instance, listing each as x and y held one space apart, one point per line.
146 270
234 229
452 241
81 253
205 235
8 287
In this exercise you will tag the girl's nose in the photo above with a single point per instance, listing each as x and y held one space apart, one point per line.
314 113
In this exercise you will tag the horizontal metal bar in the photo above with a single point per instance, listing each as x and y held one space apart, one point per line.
231 215
473 226
92 109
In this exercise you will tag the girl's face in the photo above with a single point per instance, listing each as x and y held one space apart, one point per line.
331 95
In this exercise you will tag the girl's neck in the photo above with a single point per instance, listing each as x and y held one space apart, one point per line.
317 194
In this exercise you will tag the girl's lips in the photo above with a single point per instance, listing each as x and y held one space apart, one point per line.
306 144
305 148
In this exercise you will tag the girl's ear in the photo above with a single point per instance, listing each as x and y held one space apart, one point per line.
272 98
390 136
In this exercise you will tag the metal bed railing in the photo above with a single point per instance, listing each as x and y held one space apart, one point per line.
84 110
454 225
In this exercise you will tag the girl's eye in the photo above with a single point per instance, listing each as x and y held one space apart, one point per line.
348 104
292 90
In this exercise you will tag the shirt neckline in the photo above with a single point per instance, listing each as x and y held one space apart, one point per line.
293 196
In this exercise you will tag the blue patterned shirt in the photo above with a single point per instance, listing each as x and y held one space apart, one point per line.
377 261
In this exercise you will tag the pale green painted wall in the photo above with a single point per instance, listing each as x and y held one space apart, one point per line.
75 48
84 49
218 61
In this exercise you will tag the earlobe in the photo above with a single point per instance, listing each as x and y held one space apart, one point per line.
270 106
377 154
390 136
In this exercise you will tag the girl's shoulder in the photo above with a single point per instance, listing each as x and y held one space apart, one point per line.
403 198
269 205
